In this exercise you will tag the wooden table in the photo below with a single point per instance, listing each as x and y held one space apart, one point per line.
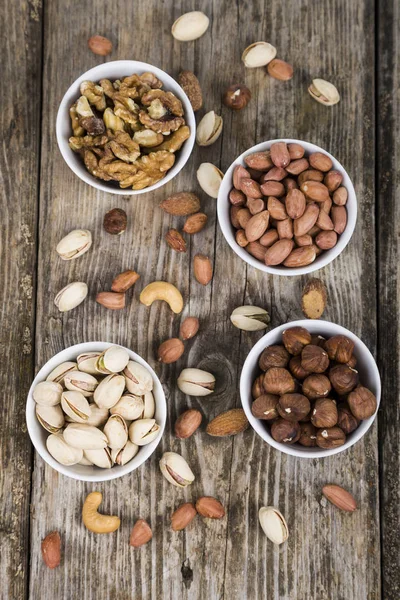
330 555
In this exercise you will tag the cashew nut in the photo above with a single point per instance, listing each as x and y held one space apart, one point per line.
162 290
93 520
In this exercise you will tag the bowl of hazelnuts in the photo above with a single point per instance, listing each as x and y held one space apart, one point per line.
310 388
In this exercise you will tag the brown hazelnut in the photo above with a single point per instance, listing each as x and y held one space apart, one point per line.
273 356
332 437
346 420
264 407
314 359
296 369
339 348
316 386
343 379
285 432
115 221
324 413
318 340
308 435
278 381
352 362
362 402
257 387
293 407
236 97
295 339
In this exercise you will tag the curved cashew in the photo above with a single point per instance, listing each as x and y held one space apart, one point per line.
93 520
162 290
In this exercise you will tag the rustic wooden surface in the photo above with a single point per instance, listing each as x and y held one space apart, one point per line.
329 555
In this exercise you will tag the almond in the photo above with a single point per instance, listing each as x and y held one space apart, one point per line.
187 423
304 240
276 209
295 167
124 281
280 154
301 257
189 328
320 161
256 250
295 203
250 187
236 197
310 175
195 223
170 351
285 229
314 297
332 180
183 515
339 497
140 534
100 45
278 252
339 218
51 549
175 240
261 161
290 184
255 205
239 173
234 216
229 422
327 205
279 69
324 221
295 151
243 217
275 174
202 269
340 196
191 86
273 188
210 508
326 240
111 300
256 226
181 204
304 223
315 190
241 239
269 238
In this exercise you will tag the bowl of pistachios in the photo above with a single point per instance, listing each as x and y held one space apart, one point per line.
96 411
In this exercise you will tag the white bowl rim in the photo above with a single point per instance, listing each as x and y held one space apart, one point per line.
322 260
71 95
314 326
100 474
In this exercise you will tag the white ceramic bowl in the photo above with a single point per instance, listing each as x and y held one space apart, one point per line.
323 259
366 366
39 435
116 70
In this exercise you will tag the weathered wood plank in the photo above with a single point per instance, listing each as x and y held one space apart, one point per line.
20 44
388 185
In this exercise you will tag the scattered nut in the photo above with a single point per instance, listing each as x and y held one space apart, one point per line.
273 524
170 351
100 45
230 422
209 129
93 520
176 470
190 26
71 296
250 318
195 223
324 92
115 221
258 54
191 86
175 240
73 245
195 382
183 516
236 97
161 290
111 300
181 204
314 298
210 179
202 269
51 550
124 281
339 497
209 507
279 69
140 534
187 423
189 328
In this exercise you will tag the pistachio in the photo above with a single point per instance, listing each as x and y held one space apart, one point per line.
71 296
273 524
61 451
190 26
209 129
209 178
258 54
47 393
149 406
85 461
195 382
59 372
137 378
125 454
176 470
324 92
129 407
74 244
85 437
50 417
101 457
143 431
116 431
109 391
75 405
87 362
98 416
80 382
250 318
112 360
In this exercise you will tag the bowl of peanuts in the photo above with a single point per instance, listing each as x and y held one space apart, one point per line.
287 207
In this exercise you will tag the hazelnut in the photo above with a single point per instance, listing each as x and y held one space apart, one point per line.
308 435
352 362
346 420
293 407
285 432
295 339
236 97
115 221
316 386
362 402
343 379
273 356
296 369
257 387
278 381
324 413
314 359
339 348
264 407
330 438
170 351
318 340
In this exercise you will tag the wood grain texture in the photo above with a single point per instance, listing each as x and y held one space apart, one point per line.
329 554
389 291
20 47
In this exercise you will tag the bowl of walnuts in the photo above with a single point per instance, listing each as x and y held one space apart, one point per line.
125 127
310 388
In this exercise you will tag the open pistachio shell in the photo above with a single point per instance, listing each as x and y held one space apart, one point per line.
250 318
98 416
85 461
190 26
130 407
80 382
116 431
138 379
85 437
61 451
50 417
87 362
112 360
209 129
273 524
47 393
74 244
143 431
60 371
149 406
100 457
258 54
209 178
125 454
176 470
109 391
195 382
71 296
324 92
75 405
